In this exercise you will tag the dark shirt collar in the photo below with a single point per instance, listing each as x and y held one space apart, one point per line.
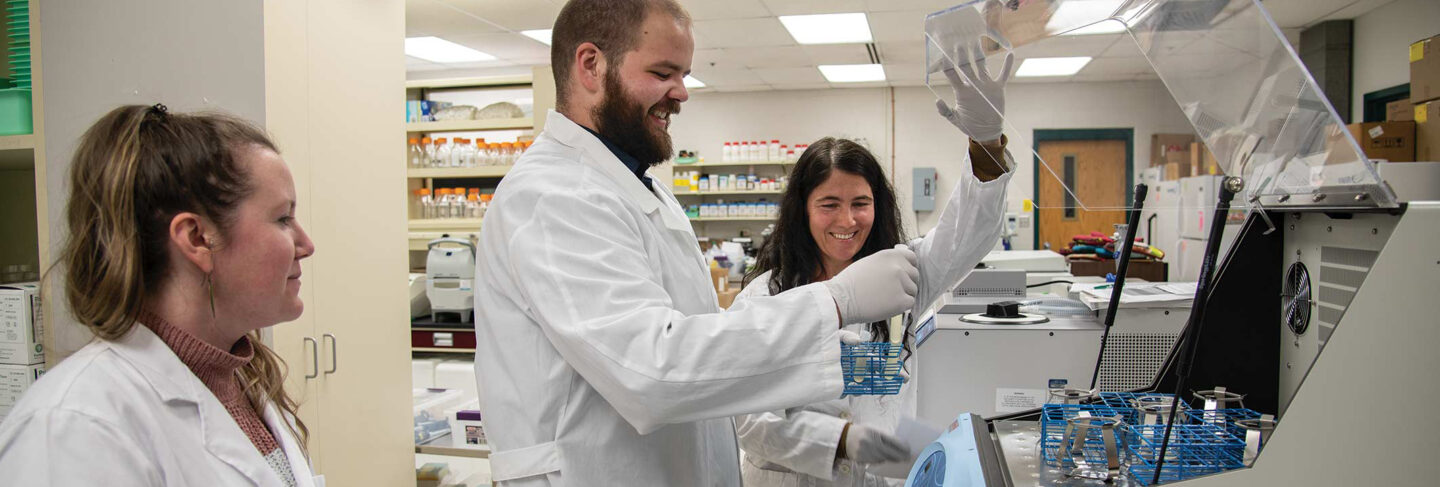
629 161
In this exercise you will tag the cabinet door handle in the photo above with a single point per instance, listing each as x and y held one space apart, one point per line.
314 358
333 364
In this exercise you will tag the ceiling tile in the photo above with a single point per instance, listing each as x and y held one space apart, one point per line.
866 84
902 52
778 76
905 71
837 54
499 63
1123 48
898 26
516 16
425 67
743 88
712 34
927 6
434 18
1355 10
713 59
731 77
770 57
803 86
1042 79
504 46
1125 66
809 7
728 9
1299 13
1062 46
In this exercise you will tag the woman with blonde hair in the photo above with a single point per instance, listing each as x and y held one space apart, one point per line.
183 245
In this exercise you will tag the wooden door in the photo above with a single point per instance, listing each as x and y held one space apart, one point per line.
1094 170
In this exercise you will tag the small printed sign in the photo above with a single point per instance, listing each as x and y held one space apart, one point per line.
1016 400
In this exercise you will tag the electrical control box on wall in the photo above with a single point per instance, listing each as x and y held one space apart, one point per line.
924 179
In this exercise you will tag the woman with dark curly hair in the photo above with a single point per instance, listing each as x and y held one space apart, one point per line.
839 208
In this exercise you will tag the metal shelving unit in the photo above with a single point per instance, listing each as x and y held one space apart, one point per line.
458 172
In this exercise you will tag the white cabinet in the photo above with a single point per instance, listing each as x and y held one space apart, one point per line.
333 81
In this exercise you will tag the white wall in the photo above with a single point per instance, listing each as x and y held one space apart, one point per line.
99 55
921 137
1382 41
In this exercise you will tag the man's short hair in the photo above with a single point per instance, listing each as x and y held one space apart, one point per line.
612 25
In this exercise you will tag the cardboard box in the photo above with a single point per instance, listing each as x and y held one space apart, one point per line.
1400 111
1162 144
728 297
1175 170
720 278
1392 141
22 329
1202 162
1427 131
14 381
1425 70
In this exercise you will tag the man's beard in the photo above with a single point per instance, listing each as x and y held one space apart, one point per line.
625 122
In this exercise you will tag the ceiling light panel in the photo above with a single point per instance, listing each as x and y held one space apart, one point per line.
828 28
1051 66
542 35
852 73
435 49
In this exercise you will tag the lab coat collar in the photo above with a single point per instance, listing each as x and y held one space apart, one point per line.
159 365
178 387
279 425
594 153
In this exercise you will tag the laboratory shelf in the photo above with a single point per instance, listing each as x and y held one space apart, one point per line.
457 224
733 219
17 152
470 125
458 172
734 164
477 82
442 350
727 192
451 451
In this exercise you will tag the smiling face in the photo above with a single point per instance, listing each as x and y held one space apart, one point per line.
841 211
257 270
646 88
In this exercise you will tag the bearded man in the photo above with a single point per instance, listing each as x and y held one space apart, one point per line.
602 356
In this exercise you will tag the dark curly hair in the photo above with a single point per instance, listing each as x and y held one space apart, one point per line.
790 253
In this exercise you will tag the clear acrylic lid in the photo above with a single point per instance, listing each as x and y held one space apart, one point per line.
1226 65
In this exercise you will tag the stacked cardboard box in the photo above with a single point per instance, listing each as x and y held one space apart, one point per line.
1171 153
1425 97
1391 141
22 358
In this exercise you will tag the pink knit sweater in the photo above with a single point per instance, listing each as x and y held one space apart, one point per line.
217 369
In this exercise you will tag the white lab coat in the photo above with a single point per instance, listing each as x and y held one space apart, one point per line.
129 413
602 356
799 449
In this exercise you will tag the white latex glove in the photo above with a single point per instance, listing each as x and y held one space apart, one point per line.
974 97
850 338
864 444
876 287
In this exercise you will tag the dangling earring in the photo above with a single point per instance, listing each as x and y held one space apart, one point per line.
210 288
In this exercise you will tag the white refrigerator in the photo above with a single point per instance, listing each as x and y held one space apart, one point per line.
1160 218
1198 197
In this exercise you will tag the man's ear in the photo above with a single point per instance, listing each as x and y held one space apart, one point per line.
192 236
589 68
